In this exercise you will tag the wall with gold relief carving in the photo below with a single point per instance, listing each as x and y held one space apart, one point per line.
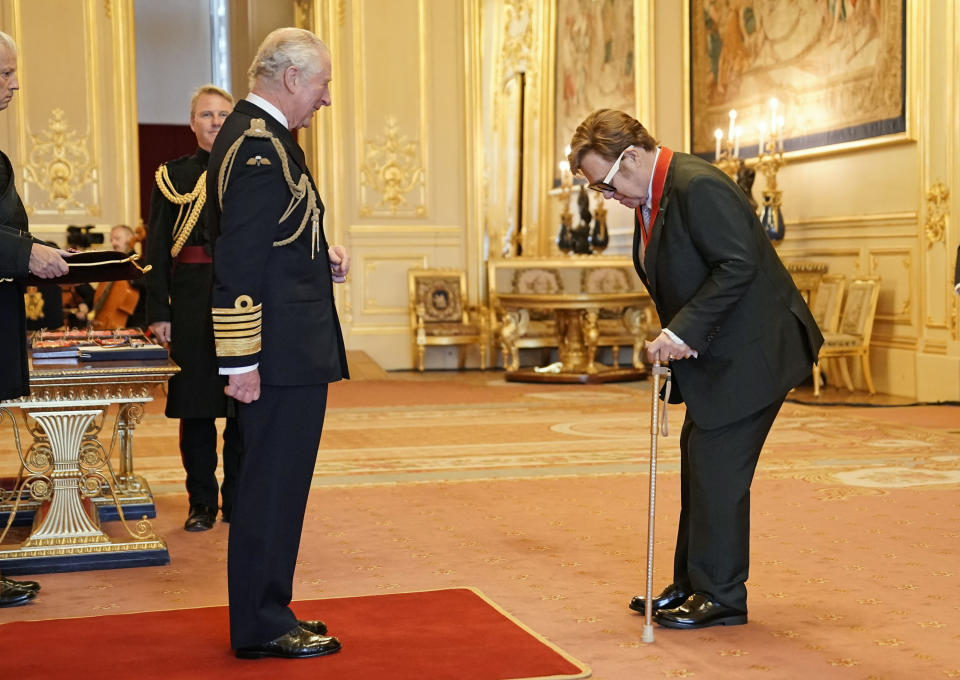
71 130
395 155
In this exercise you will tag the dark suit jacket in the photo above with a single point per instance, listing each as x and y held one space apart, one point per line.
300 339
720 286
15 245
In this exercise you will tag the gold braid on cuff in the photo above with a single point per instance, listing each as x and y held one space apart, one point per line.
236 330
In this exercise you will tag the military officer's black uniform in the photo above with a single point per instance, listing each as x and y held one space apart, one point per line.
178 291
273 307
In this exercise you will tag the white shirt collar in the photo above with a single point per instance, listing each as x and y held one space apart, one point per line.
256 99
650 186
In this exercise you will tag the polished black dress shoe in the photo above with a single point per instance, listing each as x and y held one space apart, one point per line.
12 594
201 518
313 626
296 644
26 585
672 596
699 611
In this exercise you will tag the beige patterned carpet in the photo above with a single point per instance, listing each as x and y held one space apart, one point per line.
537 495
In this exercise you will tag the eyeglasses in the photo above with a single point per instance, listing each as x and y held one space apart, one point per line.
604 184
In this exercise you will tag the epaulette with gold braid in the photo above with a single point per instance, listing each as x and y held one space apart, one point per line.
191 205
298 190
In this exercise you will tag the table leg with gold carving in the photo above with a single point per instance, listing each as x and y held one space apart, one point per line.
65 466
132 491
591 335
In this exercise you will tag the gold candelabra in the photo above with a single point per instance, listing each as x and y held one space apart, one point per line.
769 160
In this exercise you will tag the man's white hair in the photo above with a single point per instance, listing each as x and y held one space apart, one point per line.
283 48
8 42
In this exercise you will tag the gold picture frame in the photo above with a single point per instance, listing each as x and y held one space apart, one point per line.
841 73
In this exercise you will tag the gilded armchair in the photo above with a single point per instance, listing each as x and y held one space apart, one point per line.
439 315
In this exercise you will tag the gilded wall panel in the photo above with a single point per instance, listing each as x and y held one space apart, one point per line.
391 108
895 267
71 132
381 291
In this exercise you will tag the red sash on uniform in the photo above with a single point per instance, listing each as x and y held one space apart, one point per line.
659 177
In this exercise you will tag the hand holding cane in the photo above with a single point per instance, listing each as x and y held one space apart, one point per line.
655 426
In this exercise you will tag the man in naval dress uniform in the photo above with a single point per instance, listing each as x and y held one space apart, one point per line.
178 312
277 333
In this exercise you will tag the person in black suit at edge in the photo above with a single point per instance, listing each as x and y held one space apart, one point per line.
20 255
178 312
277 333
736 332
956 274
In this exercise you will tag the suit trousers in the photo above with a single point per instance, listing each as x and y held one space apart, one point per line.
281 433
713 537
198 451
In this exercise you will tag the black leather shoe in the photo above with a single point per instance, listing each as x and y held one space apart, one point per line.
312 626
672 596
25 585
201 518
12 594
699 611
295 644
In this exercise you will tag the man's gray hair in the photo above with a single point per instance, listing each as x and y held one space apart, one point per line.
283 48
8 42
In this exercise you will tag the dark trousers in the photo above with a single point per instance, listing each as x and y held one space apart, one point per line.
281 434
713 538
198 451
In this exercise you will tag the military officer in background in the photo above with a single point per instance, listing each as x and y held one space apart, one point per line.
277 333
178 312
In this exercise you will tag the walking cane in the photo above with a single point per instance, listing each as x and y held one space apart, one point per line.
655 428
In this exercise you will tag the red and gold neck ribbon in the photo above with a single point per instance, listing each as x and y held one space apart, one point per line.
659 178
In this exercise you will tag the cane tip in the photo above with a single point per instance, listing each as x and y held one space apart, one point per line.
647 633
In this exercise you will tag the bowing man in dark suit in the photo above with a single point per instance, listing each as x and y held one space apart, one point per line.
20 255
276 331
736 331
178 311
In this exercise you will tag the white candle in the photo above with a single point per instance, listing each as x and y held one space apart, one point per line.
773 114
718 135
733 122
780 131
736 142
763 131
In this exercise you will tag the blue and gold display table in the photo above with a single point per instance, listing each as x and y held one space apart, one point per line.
67 472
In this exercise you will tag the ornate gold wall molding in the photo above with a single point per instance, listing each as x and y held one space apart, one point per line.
937 210
392 165
70 171
59 165
392 168
518 38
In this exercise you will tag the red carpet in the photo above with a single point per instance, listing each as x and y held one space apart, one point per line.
454 634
